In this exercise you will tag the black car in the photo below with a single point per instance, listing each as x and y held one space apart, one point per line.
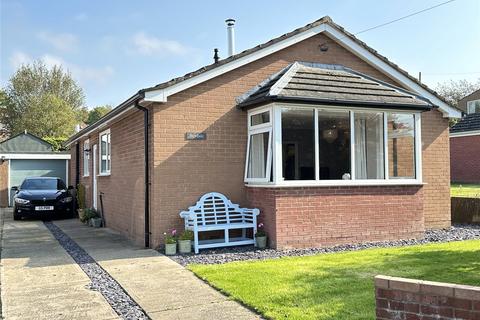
42 197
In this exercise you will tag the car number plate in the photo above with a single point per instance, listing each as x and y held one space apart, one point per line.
43 208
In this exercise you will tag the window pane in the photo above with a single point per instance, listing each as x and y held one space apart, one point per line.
473 106
334 144
298 144
369 158
260 118
401 145
257 157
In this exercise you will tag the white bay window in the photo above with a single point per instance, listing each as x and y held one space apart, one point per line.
290 145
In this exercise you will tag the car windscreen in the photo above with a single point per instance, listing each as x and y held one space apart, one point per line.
43 184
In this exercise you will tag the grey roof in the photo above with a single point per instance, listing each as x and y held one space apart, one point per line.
470 122
25 143
324 20
330 84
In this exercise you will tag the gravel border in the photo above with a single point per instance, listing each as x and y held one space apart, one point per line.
243 253
102 282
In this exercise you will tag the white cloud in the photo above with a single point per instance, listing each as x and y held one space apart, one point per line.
84 75
60 41
18 58
98 75
148 45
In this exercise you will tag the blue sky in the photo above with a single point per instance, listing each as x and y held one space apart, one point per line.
114 48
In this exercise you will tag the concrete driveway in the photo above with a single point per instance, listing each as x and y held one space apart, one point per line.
40 280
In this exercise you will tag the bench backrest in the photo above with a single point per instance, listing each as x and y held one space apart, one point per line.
214 208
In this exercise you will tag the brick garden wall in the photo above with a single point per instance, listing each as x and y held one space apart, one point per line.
407 299
326 216
464 155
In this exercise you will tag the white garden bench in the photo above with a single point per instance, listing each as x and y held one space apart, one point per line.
215 212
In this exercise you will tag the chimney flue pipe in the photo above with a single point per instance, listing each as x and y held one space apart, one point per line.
231 36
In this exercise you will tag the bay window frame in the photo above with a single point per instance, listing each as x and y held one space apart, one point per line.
258 129
275 147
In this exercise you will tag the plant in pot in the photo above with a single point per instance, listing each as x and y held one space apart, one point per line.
93 218
170 242
185 241
261 237
81 201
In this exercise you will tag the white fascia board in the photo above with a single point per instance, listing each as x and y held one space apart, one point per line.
465 134
62 156
378 63
161 95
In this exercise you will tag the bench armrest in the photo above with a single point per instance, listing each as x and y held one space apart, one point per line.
254 211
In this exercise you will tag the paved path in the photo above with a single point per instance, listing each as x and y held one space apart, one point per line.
163 288
40 280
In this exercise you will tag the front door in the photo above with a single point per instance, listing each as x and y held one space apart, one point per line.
94 176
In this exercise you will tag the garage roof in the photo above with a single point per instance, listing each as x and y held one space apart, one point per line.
25 143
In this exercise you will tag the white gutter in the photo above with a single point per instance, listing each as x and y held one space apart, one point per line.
35 156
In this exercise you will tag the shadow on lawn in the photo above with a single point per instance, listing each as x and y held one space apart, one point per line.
347 291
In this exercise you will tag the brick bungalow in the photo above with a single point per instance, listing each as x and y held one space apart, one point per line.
330 140
465 142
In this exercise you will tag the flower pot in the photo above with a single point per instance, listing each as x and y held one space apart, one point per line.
185 246
80 214
96 222
261 242
170 249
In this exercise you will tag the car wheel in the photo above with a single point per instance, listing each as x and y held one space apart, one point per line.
16 216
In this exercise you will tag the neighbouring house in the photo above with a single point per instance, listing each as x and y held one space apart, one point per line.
465 142
329 139
25 155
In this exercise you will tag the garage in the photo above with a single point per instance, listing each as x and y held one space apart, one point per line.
26 155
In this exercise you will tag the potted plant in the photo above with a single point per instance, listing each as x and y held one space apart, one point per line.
261 237
92 217
81 201
185 241
171 243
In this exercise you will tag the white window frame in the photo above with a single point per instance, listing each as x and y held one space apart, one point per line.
256 129
86 158
471 105
275 129
108 168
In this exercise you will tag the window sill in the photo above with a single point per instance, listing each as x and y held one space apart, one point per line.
336 183
103 174
86 176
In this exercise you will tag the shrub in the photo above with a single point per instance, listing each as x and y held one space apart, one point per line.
186 235
89 214
81 196
171 238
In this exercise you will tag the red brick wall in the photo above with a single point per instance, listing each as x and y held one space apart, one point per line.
123 189
398 298
465 159
436 170
326 216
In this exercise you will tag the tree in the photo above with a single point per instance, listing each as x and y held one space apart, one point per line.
97 112
43 101
453 91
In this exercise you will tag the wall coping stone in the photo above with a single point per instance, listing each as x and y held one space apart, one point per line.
429 287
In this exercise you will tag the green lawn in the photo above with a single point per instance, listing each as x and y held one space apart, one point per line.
339 285
465 190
